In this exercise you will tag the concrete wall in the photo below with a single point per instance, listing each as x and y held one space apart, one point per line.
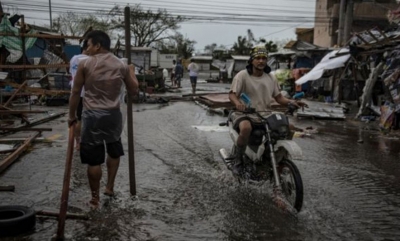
321 26
165 60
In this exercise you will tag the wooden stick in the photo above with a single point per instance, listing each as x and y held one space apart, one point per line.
65 191
68 215
7 188
7 151
21 111
11 158
24 129
15 93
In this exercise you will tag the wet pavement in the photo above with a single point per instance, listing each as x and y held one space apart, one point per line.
185 193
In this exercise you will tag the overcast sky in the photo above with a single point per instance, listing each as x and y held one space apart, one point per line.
219 22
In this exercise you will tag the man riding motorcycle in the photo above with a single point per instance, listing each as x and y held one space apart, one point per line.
261 87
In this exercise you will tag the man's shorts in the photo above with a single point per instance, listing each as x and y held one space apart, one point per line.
193 79
94 155
238 117
79 109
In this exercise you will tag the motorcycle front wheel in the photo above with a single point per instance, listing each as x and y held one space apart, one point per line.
291 183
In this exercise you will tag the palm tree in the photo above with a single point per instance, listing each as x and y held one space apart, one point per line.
242 46
271 47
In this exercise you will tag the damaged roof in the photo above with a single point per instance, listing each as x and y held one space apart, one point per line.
299 45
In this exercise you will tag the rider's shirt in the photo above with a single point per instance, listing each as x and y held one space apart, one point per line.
261 90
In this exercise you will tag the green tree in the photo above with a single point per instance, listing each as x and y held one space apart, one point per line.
242 46
185 46
73 24
271 47
148 27
209 49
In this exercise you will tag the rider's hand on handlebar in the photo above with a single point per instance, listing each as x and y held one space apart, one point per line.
240 107
300 104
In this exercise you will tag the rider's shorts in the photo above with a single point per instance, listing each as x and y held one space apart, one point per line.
238 117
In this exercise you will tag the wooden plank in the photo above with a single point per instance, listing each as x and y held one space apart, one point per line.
38 91
39 66
16 139
14 156
15 93
40 121
7 188
56 215
21 111
24 129
7 151
22 116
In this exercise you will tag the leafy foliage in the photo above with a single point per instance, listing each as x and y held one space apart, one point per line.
73 24
148 27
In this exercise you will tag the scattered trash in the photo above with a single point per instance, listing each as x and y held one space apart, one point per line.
368 118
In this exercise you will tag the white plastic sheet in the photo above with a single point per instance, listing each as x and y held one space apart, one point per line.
325 64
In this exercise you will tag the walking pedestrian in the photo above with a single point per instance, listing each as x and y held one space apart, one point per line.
193 73
178 73
103 76
173 72
72 70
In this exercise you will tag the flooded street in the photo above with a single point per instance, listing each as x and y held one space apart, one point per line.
184 191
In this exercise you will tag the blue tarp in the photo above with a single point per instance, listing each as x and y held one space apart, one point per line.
71 50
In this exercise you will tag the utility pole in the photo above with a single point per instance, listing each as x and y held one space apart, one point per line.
348 21
341 22
51 19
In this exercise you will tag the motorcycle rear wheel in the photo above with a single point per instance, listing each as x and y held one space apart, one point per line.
291 183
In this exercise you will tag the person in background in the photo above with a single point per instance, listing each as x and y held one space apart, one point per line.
103 76
261 87
193 73
178 73
165 76
73 67
173 72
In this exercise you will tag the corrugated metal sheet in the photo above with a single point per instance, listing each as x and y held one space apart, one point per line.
322 110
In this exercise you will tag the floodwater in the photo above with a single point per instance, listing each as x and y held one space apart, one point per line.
184 191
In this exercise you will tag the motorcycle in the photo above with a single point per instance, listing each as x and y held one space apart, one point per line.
269 155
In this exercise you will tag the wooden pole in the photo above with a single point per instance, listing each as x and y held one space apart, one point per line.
341 22
65 190
12 157
57 215
131 146
7 188
23 47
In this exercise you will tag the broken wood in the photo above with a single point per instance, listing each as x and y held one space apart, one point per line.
40 121
12 157
7 151
38 91
7 188
201 94
66 182
24 129
22 116
13 112
68 215
15 93
13 140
